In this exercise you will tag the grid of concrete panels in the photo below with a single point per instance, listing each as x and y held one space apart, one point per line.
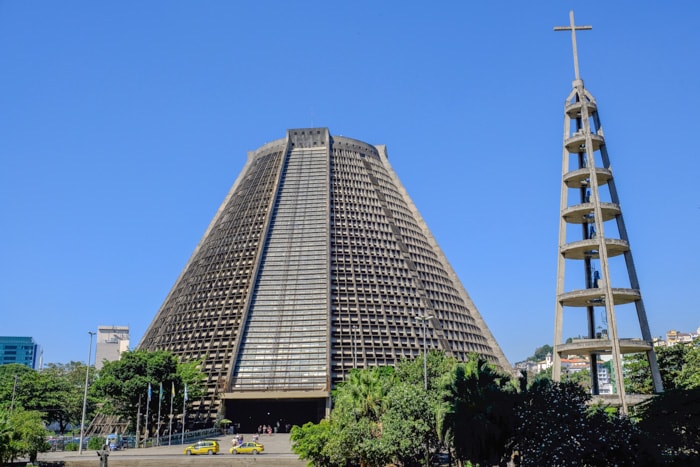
385 274
201 316
371 288
286 337
441 298
382 273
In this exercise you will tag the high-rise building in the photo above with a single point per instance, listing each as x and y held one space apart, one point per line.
317 262
593 239
21 350
111 342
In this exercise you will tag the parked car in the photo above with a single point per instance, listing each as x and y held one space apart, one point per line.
247 448
205 446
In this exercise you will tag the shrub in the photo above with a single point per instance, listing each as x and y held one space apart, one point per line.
96 443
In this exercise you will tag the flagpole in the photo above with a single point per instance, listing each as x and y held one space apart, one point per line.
148 404
160 399
184 414
170 425
138 424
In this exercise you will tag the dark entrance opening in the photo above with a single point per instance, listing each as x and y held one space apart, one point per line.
276 413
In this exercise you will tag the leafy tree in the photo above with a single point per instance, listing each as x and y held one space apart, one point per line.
637 374
22 382
57 391
5 436
64 386
556 426
582 378
408 425
475 418
123 384
360 403
309 441
438 364
689 376
541 353
672 421
22 433
679 366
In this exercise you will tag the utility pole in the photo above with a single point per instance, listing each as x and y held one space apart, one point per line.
87 376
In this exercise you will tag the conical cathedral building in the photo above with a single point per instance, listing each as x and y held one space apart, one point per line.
317 262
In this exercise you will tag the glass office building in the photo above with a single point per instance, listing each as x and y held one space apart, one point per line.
21 350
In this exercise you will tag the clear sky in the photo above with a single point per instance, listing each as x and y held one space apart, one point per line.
123 124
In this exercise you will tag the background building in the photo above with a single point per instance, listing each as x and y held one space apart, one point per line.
20 350
317 262
111 342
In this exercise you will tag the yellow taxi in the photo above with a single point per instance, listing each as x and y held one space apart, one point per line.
247 448
205 446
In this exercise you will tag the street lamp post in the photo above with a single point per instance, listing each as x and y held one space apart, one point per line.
354 347
424 320
87 375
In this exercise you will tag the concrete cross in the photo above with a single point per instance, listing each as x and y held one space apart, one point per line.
573 28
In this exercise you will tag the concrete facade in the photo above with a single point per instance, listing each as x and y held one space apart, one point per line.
111 342
317 262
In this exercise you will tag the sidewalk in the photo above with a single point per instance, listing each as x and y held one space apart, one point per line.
277 446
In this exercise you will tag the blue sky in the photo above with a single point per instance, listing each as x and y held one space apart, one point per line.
124 124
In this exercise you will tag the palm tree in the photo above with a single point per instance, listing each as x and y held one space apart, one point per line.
475 418
367 390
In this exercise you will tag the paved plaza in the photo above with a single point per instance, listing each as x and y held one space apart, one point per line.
278 452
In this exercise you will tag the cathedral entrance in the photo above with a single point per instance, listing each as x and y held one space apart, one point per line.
278 414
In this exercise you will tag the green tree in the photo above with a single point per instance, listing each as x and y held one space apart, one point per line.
476 416
309 441
556 426
21 383
360 402
22 433
689 376
582 378
5 436
438 364
637 374
64 386
541 353
409 425
672 422
679 366
123 384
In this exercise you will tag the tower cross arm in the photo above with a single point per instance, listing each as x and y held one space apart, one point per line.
573 28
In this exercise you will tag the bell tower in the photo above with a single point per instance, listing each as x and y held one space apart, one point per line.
602 284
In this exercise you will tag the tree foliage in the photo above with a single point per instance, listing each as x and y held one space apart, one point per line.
541 353
123 385
310 440
672 422
64 390
22 433
556 426
679 366
56 392
476 411
408 425
20 383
